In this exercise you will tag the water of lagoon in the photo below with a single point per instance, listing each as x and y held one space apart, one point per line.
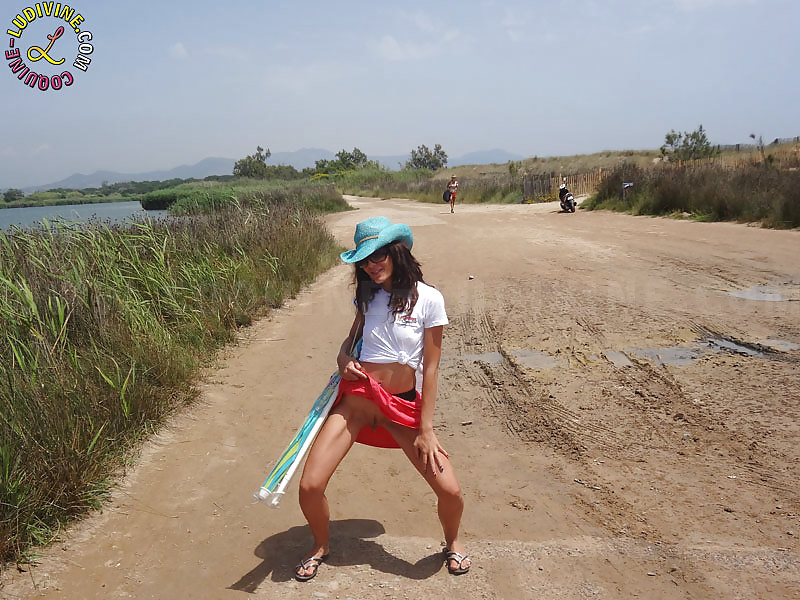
114 212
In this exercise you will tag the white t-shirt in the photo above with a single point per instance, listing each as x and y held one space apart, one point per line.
388 340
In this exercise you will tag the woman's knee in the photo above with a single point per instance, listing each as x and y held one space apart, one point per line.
447 489
452 493
312 486
315 477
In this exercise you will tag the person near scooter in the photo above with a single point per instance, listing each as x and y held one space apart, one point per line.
562 191
566 198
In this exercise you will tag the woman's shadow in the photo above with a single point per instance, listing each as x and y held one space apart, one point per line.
350 545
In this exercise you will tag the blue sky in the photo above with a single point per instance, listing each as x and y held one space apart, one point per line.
173 83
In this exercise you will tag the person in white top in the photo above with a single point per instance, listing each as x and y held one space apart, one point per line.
452 187
399 319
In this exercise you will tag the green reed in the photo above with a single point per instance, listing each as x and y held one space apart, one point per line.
496 188
201 197
102 330
747 192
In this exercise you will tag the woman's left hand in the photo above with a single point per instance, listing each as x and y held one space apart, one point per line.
429 452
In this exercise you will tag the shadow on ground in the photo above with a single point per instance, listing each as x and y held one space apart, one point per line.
350 545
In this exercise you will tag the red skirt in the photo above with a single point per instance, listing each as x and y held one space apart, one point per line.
395 409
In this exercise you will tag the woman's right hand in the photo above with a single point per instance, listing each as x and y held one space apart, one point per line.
351 370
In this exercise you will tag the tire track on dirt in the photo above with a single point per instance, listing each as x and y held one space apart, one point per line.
531 416
657 391
647 394
526 413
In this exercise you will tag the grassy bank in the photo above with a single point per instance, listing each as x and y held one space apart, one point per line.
425 186
557 165
749 192
115 192
48 199
319 197
103 330
502 182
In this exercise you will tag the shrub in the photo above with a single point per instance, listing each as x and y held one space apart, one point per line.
745 193
320 197
103 329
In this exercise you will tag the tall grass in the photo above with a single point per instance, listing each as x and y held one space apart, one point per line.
102 329
750 192
53 199
415 184
423 186
201 197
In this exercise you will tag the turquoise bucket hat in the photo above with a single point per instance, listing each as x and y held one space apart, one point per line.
375 233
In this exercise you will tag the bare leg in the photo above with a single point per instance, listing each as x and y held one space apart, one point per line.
444 484
332 444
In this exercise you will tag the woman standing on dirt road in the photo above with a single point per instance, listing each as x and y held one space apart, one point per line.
400 319
452 187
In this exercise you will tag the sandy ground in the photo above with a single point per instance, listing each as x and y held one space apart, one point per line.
620 396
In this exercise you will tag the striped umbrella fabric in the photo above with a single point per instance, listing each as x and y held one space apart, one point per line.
274 486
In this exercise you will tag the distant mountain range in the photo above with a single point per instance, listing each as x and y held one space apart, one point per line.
299 159
79 181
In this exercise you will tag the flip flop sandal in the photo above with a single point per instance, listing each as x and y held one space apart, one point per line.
451 555
310 563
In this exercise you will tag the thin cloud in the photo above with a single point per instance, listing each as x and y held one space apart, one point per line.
644 29
512 19
178 51
514 25
389 48
230 52
427 37
691 5
425 23
422 21
303 79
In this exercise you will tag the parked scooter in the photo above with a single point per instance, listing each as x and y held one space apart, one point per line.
566 198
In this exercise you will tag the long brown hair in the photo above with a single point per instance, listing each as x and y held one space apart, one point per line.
406 272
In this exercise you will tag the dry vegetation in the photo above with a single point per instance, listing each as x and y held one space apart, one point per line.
580 163
104 329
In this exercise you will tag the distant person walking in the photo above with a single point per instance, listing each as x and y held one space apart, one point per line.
452 187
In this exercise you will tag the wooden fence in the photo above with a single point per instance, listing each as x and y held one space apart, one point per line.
753 146
536 188
736 162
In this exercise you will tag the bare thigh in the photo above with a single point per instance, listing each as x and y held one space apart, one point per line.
444 482
337 436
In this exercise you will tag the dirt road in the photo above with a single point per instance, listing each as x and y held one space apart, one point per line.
620 395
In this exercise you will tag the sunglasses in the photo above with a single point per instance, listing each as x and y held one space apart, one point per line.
378 256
